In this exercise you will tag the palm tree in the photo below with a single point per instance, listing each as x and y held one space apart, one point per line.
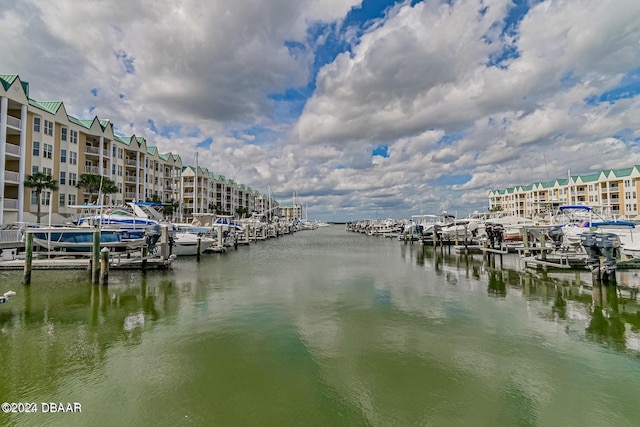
94 183
39 182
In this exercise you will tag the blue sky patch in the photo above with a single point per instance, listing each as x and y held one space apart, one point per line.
629 87
206 143
152 126
450 138
126 61
382 150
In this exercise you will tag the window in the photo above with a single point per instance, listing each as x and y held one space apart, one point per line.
73 158
63 178
36 124
113 151
46 198
120 153
119 188
74 137
63 156
72 199
47 151
72 178
62 199
46 171
36 148
34 197
34 170
63 134
119 170
48 127
113 170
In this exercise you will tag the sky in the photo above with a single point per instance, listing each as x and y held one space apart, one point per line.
360 108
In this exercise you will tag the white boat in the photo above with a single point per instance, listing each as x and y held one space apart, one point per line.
80 239
184 242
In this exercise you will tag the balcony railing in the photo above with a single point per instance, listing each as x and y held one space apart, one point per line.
131 179
92 150
10 176
12 149
130 162
94 170
14 122
129 195
10 204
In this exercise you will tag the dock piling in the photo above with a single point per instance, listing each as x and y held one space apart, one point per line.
95 258
104 266
28 259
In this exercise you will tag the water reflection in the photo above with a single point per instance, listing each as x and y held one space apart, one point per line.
606 326
609 312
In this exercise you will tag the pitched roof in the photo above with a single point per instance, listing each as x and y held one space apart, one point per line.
7 80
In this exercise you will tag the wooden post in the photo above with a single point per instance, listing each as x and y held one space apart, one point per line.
246 233
104 266
543 252
28 259
164 242
220 237
95 258
198 248
525 240
145 253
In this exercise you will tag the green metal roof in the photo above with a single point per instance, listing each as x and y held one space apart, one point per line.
623 172
590 178
7 80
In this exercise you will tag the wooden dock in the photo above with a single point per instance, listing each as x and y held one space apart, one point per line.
84 263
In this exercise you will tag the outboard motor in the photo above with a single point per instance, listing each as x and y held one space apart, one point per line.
555 234
488 228
498 233
495 233
588 240
609 243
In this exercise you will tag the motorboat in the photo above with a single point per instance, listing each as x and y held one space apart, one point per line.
184 242
80 239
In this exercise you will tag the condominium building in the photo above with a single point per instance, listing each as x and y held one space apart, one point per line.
613 190
41 137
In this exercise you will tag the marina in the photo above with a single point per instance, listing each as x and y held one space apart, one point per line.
325 327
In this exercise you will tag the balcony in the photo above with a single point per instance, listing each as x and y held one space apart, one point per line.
93 170
130 162
12 177
131 179
12 149
92 150
129 195
14 122
10 204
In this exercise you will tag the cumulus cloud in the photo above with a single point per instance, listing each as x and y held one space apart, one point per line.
464 96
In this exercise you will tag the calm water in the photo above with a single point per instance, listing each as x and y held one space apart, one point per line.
322 328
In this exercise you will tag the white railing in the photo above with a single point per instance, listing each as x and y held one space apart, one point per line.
129 195
12 149
92 150
131 163
10 176
10 204
131 179
13 122
10 236
94 170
